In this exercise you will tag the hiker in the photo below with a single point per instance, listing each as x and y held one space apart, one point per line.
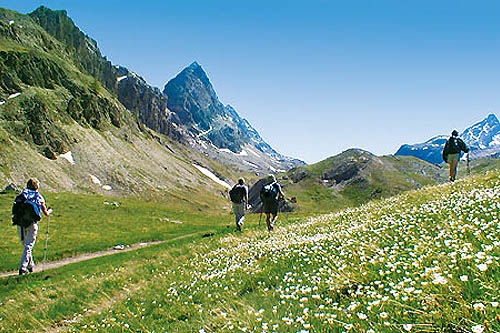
28 232
451 153
270 195
239 198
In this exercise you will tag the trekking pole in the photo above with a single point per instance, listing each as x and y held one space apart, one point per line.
46 237
261 209
468 164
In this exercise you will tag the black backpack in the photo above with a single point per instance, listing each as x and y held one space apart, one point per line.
268 193
454 146
24 212
237 193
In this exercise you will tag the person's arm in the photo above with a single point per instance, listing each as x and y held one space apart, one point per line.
44 209
445 152
463 146
280 192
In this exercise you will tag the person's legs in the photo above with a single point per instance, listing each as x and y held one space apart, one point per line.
455 164
239 214
268 222
28 238
273 220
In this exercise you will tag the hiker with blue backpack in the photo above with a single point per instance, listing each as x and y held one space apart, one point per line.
269 195
26 214
239 198
452 151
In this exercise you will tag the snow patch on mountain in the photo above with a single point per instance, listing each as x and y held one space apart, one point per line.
95 180
211 175
68 157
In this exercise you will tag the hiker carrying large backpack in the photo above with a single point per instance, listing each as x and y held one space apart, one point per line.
270 195
26 214
239 198
452 151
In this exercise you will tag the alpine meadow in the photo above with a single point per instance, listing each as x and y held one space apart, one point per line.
126 207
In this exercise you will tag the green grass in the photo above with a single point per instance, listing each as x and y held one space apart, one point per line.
89 223
423 261
49 298
426 260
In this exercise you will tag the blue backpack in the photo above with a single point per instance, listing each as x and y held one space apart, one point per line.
25 212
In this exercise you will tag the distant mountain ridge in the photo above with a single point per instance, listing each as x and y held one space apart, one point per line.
483 138
187 111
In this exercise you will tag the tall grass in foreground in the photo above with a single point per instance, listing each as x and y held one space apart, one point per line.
424 261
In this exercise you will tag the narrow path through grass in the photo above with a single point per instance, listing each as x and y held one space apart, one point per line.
87 256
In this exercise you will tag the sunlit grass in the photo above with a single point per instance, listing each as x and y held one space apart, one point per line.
89 223
424 261
421 261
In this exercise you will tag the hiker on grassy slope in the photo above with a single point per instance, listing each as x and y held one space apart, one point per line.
26 214
239 198
270 195
451 153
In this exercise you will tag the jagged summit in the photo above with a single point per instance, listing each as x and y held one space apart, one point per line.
191 96
187 110
194 65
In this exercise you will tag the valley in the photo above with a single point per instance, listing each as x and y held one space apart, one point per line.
143 239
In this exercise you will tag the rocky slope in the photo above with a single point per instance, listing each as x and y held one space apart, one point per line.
188 111
483 138
60 124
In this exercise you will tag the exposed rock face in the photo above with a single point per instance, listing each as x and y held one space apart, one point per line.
83 48
219 131
256 203
483 138
188 110
343 172
149 104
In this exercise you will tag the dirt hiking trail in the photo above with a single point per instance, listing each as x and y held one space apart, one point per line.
42 266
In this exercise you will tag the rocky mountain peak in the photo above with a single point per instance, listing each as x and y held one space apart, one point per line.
483 134
483 138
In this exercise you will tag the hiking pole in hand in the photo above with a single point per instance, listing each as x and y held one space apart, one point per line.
261 209
47 236
468 164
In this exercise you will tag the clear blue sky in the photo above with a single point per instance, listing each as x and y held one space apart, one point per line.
315 77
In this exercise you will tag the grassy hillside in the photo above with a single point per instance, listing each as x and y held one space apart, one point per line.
50 105
425 260
88 223
355 177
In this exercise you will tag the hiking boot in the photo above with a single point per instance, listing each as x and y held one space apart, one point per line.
22 272
30 269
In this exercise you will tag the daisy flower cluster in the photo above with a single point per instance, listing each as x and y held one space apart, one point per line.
423 261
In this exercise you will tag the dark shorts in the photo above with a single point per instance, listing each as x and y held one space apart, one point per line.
271 207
